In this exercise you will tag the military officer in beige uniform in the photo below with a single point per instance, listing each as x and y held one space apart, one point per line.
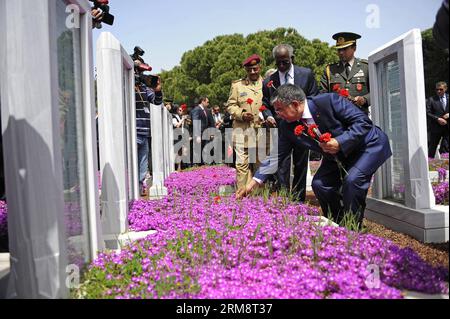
350 73
243 104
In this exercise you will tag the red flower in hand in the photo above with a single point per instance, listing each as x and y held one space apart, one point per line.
325 138
336 88
299 130
312 130
270 84
249 101
217 199
262 108
344 93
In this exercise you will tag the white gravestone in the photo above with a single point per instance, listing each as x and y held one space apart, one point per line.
158 189
402 197
117 135
49 145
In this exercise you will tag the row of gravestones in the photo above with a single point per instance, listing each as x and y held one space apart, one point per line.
55 223
117 139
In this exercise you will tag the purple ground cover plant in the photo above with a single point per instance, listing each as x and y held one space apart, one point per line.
441 193
3 219
209 246
435 164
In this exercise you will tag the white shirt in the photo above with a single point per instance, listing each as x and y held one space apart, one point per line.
217 117
351 62
444 101
308 118
290 75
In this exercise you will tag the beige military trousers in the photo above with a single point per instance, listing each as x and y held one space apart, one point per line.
246 165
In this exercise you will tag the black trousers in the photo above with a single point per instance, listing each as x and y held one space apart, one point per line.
301 158
435 138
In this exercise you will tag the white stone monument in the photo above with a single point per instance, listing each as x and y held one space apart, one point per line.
402 196
48 121
157 117
117 136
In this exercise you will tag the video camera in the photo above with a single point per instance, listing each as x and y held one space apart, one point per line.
149 80
107 18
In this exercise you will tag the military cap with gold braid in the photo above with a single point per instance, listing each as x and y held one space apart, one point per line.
345 39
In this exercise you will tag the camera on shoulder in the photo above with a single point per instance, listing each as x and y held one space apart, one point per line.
106 17
140 67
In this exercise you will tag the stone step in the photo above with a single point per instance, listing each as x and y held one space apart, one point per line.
4 265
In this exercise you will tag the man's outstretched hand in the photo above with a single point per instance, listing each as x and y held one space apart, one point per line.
247 190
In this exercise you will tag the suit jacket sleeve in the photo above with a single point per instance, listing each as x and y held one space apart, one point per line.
196 122
367 96
430 110
233 103
312 89
266 100
270 165
357 123
211 122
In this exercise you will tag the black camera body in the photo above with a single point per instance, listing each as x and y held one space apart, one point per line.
107 17
138 54
150 81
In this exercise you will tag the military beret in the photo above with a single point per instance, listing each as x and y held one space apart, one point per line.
345 39
252 60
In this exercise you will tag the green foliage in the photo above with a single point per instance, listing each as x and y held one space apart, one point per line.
210 69
435 62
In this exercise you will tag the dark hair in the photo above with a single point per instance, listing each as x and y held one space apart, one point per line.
288 93
441 83
202 99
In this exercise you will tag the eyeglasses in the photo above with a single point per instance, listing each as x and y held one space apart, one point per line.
252 69
284 62
439 89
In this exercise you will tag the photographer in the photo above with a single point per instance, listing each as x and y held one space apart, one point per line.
145 95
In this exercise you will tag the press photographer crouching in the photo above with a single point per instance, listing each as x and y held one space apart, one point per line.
148 91
100 13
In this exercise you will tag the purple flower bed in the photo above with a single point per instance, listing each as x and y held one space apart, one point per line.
3 219
441 193
436 164
210 247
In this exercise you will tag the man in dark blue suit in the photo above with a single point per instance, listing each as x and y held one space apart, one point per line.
356 143
201 120
438 120
288 73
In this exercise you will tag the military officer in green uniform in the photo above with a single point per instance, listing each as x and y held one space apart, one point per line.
350 74
243 104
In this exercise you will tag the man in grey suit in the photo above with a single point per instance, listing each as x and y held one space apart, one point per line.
438 120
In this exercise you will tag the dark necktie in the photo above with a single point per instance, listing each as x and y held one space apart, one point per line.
348 69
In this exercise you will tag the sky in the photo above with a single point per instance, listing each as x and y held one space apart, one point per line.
166 29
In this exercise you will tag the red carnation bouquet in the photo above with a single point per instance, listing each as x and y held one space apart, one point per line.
312 131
